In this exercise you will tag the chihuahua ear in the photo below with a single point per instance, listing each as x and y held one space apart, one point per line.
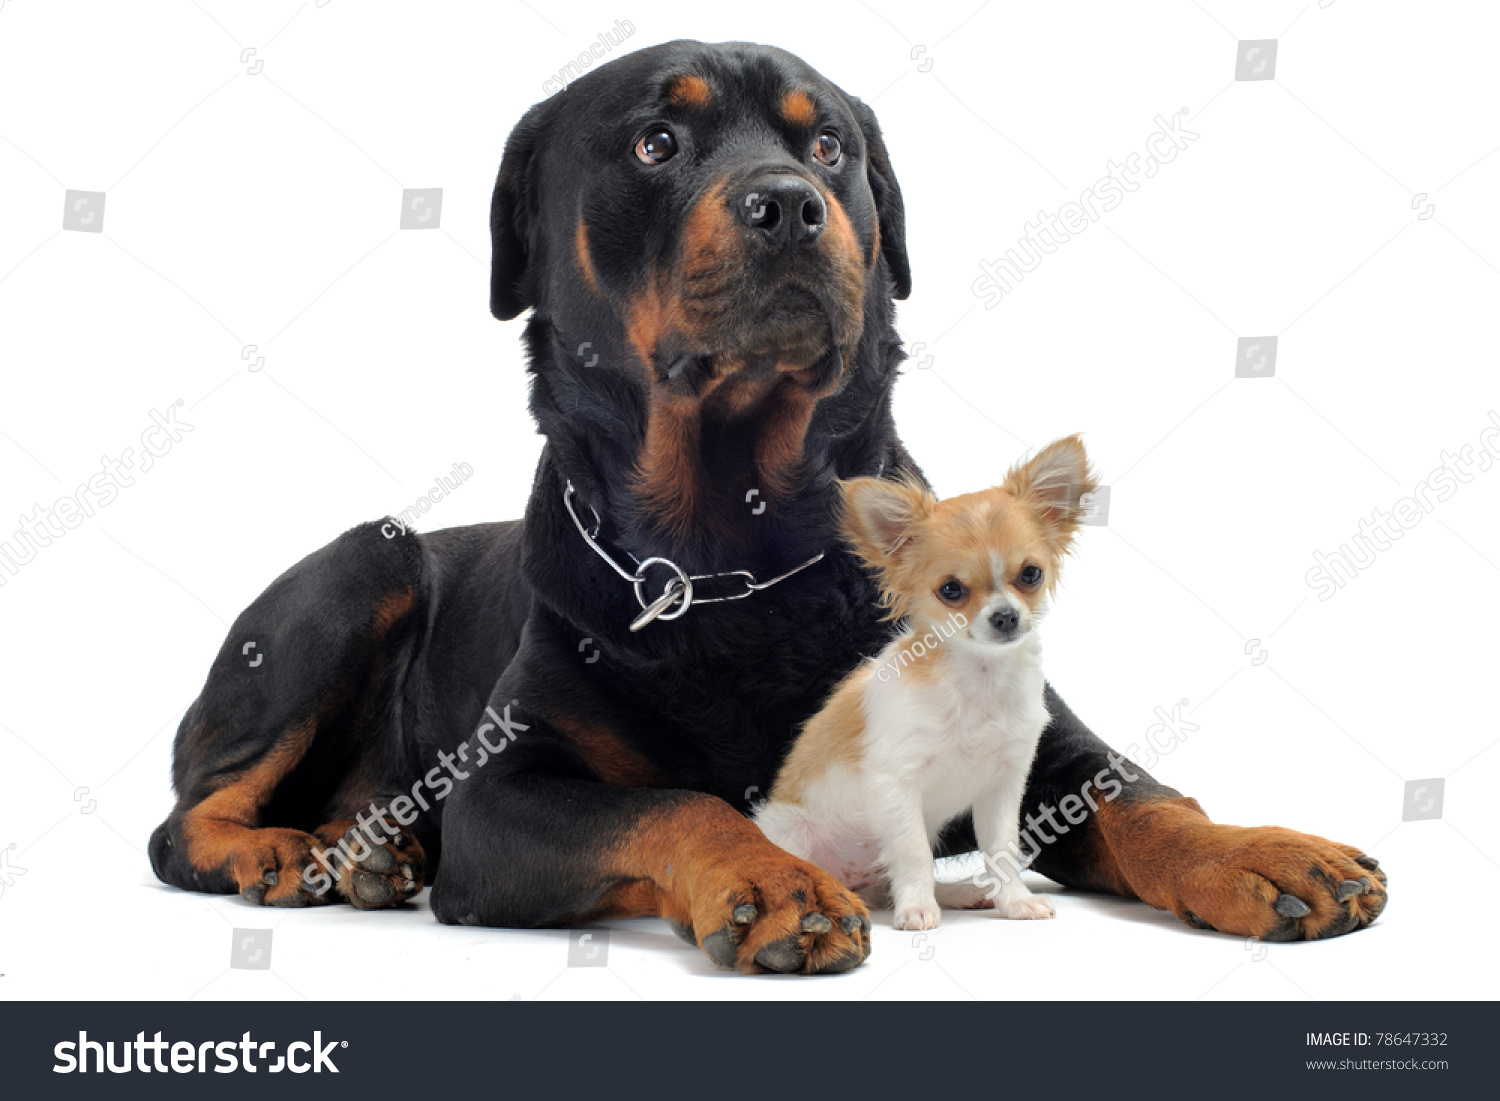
1054 483
879 516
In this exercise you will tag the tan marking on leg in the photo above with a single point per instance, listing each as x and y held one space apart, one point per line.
603 751
707 861
222 831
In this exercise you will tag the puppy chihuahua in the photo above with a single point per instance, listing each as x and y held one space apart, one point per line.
947 717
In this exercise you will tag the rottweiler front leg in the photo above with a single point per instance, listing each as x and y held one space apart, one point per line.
1150 842
531 850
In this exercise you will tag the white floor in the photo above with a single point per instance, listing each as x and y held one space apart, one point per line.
87 921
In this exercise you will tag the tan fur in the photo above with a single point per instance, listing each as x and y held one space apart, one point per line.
918 542
1182 862
696 860
690 90
605 753
798 109
585 261
392 610
217 828
832 735
223 832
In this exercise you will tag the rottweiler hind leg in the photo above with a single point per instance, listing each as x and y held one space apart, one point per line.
287 712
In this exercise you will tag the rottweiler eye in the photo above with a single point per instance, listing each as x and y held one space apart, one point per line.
1030 577
827 149
657 147
953 590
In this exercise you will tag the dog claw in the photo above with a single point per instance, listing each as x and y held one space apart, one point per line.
744 914
1291 906
1195 921
816 923
271 878
1368 863
1351 887
850 922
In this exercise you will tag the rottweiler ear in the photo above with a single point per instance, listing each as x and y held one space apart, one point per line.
515 231
888 204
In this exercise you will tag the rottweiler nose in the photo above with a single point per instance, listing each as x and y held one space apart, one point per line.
783 210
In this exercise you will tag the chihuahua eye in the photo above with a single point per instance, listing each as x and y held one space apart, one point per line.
657 147
952 590
1030 577
827 149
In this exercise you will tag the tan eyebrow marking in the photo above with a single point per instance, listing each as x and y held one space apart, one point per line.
798 108
690 90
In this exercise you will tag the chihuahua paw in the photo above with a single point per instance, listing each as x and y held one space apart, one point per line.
923 915
1025 907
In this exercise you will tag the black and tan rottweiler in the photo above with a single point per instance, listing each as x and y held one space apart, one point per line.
710 239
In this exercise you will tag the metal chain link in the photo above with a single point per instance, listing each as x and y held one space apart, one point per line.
679 589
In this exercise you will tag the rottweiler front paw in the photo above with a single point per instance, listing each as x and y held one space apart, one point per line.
774 912
1278 884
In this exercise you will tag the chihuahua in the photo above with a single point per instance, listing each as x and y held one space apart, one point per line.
947 717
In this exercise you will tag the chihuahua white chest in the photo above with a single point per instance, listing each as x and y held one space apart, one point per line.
951 728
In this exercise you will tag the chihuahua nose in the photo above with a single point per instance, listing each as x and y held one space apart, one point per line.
1005 621
783 210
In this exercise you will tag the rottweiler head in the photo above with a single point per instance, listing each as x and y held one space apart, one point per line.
705 229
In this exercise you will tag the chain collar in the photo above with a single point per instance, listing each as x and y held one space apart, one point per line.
679 588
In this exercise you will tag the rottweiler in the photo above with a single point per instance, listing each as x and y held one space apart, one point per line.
565 718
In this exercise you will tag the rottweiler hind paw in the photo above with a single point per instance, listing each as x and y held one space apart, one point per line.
373 868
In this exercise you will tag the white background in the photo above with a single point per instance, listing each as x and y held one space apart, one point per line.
263 209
